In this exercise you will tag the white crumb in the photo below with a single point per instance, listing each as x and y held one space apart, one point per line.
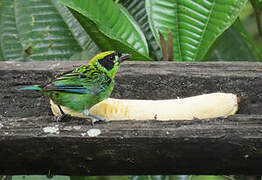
52 130
93 132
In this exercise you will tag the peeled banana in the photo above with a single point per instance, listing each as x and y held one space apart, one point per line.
196 107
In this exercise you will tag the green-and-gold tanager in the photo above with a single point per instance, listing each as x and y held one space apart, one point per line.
84 86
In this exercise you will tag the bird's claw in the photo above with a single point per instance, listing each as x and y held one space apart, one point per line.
93 117
97 119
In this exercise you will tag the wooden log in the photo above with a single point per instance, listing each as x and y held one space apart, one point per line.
33 143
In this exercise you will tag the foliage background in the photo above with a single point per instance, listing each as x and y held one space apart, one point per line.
36 30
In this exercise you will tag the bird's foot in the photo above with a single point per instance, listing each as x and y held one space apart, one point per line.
63 117
93 117
96 119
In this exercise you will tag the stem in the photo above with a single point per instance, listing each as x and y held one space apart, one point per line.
163 46
257 13
170 46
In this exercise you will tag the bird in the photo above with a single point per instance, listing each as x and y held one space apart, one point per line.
85 85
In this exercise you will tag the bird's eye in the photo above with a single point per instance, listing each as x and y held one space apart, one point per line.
111 57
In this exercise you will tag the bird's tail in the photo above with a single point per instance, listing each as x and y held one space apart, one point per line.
33 87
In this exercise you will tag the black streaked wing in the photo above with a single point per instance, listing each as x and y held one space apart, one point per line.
80 81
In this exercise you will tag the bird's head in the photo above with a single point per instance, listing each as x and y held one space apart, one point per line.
109 61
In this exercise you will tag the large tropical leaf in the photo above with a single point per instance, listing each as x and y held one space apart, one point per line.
236 36
206 177
137 9
195 25
89 48
1 55
110 26
10 46
38 30
90 51
77 30
99 178
156 177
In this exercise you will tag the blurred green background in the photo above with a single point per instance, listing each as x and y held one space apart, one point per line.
37 30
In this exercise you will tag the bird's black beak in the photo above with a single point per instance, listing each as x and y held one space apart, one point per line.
123 57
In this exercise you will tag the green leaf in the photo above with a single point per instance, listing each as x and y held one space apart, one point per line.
180 177
246 11
1 54
39 177
10 46
35 30
205 177
98 178
87 53
195 25
89 47
156 177
77 30
236 36
82 178
110 26
137 9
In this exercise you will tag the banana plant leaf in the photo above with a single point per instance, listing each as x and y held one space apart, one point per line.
37 30
110 26
236 44
206 177
86 54
194 25
137 9
1 54
39 177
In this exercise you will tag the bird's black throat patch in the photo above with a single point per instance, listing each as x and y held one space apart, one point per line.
107 61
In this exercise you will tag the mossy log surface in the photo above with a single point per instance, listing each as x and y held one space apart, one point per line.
32 142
